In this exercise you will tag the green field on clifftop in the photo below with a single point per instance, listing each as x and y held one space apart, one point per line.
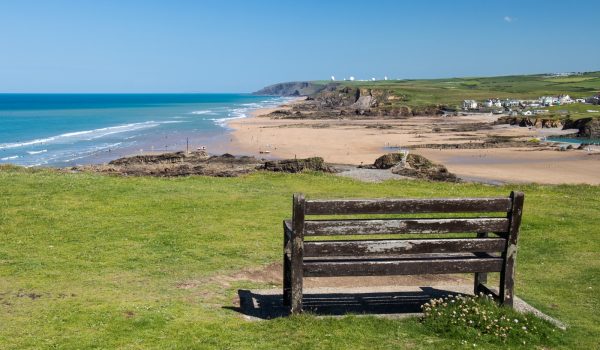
452 91
102 262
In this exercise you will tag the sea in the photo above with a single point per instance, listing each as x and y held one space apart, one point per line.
75 129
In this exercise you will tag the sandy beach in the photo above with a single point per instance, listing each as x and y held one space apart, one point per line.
361 141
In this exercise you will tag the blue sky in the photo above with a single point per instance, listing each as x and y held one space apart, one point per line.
240 46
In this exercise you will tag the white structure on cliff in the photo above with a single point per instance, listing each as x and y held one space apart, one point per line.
469 104
351 78
332 78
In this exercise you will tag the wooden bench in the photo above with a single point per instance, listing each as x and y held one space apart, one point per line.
489 246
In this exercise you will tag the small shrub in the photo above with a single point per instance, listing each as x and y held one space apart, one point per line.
481 319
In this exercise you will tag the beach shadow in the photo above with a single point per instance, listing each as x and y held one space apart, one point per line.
269 305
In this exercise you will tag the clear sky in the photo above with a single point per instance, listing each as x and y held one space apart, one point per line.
240 46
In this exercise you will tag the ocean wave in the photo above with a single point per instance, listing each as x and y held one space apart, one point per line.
9 158
65 156
223 121
37 152
203 112
88 134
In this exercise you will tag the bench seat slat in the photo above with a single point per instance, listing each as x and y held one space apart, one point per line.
426 256
401 267
407 206
402 246
397 226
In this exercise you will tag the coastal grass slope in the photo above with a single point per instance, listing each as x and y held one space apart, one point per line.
92 261
450 92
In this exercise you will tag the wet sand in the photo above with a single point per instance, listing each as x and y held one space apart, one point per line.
362 141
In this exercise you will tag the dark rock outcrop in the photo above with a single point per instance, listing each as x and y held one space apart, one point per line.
388 160
587 127
296 165
413 166
531 122
422 168
200 163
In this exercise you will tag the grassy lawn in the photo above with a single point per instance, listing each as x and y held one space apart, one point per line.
451 92
575 110
91 261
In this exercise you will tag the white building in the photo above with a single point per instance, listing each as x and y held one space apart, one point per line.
564 99
511 103
469 104
351 78
548 100
332 78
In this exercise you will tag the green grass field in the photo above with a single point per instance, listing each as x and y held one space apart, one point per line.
575 111
451 92
91 261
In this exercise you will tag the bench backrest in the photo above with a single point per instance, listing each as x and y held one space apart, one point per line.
505 226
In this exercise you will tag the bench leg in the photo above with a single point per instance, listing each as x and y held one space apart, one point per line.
480 280
287 281
480 277
297 252
296 274
507 281
507 275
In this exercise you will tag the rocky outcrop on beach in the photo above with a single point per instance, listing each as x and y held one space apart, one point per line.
388 160
587 127
201 163
531 122
490 142
415 166
297 165
422 168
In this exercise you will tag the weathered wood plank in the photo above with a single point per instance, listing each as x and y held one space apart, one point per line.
407 206
402 246
398 226
419 256
297 257
510 255
401 267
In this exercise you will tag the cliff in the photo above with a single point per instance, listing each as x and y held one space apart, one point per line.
295 88
335 99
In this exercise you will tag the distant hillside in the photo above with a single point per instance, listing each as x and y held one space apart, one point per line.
450 92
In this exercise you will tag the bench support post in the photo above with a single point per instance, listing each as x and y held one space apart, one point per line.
480 277
507 281
297 253
287 275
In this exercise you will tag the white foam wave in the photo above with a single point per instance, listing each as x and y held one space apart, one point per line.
87 134
223 121
203 112
37 152
9 158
